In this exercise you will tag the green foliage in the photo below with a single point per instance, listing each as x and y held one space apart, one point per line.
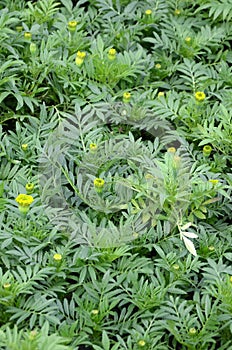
142 260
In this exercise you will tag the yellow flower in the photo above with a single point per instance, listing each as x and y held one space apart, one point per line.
126 97
112 54
207 149
200 96
211 248
148 12
161 93
177 12
57 257
72 26
98 184
188 39
214 181
93 147
6 285
141 342
80 58
24 200
171 149
176 267
192 331
29 187
158 65
231 279
27 35
95 312
24 146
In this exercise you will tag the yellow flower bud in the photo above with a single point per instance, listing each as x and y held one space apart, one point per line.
200 96
177 12
98 184
95 312
24 147
188 39
211 248
126 97
141 343
171 149
27 35
192 331
6 285
72 26
112 54
161 93
57 257
148 12
158 66
24 201
176 267
207 149
214 181
29 187
93 147
80 58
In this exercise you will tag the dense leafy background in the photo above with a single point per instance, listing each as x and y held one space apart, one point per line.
148 292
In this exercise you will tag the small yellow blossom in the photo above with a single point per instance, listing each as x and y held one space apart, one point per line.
24 147
112 54
98 182
158 66
161 93
207 149
177 12
29 187
24 200
57 257
171 149
188 39
27 35
200 96
95 312
176 267
126 97
231 279
148 12
80 58
141 342
93 147
214 181
192 331
211 248
72 26
6 285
